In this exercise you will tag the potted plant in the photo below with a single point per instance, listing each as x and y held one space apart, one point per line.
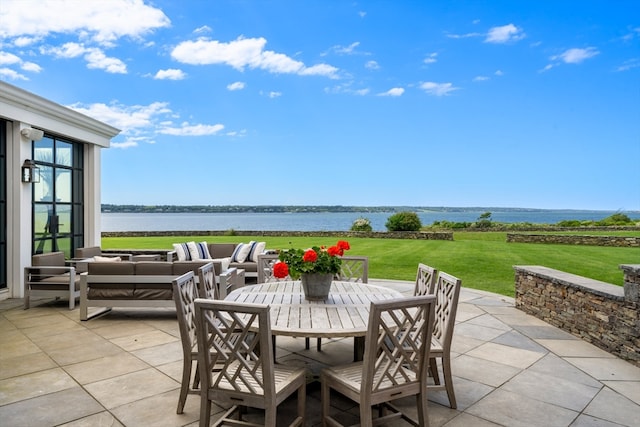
315 267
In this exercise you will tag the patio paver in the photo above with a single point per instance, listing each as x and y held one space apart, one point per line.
123 369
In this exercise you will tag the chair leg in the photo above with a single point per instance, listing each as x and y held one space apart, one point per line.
325 395
448 382
319 344
423 415
205 409
306 343
433 369
184 387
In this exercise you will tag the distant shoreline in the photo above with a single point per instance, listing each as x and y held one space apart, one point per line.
112 208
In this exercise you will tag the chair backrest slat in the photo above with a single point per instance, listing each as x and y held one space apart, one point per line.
235 338
447 291
208 286
185 292
426 278
398 343
354 269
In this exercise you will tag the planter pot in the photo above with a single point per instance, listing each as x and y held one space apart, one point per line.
316 286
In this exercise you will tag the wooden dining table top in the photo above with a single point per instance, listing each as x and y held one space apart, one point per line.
344 313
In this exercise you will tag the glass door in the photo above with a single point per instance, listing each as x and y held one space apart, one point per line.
3 204
57 197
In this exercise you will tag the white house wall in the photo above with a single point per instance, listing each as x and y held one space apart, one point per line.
24 110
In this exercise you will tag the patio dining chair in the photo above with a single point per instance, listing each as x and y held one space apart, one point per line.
208 286
185 293
395 363
426 278
446 291
352 269
237 336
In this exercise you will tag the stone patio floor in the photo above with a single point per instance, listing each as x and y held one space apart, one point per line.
123 369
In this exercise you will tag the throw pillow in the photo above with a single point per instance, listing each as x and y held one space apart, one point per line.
198 250
107 259
240 253
256 250
182 250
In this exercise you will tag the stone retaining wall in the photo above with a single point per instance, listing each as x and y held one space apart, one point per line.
419 235
595 311
619 241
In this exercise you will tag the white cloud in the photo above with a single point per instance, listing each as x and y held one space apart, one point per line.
396 91
372 65
463 36
97 59
575 55
438 89
273 94
202 30
94 56
128 143
7 58
170 74
630 64
242 53
12 74
130 119
432 58
186 129
480 79
362 14
236 86
499 73
25 41
31 66
102 21
346 50
504 34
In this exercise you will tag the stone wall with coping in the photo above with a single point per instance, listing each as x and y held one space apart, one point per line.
417 235
597 312
618 241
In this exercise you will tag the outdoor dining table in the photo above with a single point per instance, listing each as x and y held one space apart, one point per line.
344 313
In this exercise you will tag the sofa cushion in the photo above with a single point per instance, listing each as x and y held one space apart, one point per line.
154 268
181 267
221 250
182 251
198 250
114 268
240 253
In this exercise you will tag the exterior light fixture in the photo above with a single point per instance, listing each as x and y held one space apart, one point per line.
30 171
32 134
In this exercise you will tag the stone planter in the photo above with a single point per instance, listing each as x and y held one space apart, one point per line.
316 286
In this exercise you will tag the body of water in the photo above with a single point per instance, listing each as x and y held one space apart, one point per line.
330 221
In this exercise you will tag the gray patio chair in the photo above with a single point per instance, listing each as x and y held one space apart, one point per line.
237 337
265 268
446 291
395 363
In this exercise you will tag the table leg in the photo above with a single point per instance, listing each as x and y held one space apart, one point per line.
358 348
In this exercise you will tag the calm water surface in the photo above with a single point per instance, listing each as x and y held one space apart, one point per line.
334 221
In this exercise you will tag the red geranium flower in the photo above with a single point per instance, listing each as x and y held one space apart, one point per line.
280 270
310 256
343 245
334 251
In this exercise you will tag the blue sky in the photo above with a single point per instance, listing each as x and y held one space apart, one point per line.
441 103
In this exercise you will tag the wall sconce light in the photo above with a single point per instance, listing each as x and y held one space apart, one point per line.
30 171
32 134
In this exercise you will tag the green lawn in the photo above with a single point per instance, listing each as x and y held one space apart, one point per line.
483 260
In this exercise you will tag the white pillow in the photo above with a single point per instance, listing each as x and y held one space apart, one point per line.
224 263
256 250
182 250
198 250
240 253
107 259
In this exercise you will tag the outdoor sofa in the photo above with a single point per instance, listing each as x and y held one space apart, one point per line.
141 283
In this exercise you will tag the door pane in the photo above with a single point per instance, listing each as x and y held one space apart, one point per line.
63 185
64 154
43 150
64 218
43 190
